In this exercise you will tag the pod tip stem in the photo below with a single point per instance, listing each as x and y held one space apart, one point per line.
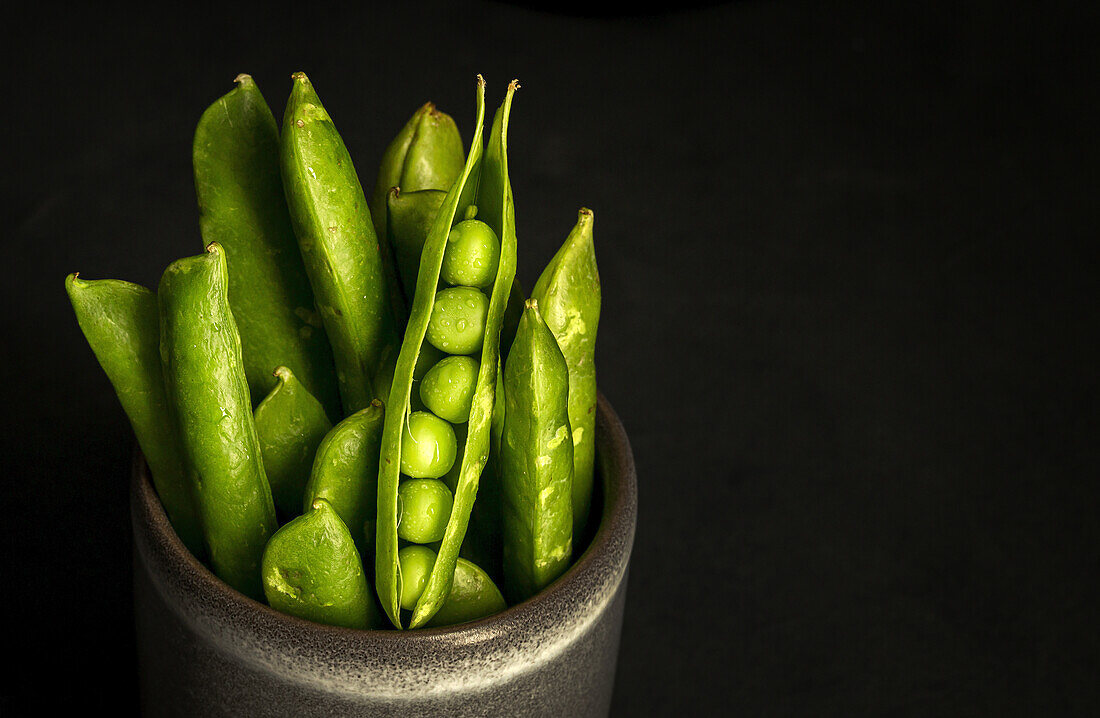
242 78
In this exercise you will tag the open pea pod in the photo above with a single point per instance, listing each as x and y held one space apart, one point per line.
484 182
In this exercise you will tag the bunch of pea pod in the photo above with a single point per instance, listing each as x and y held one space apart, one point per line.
336 379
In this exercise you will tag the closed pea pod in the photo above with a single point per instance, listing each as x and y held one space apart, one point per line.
416 170
120 322
290 424
473 595
242 207
312 570
336 237
345 471
483 182
205 382
536 460
568 293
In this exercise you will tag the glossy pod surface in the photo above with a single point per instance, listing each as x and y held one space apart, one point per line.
416 170
290 424
568 294
242 207
473 595
311 569
204 376
337 241
536 460
120 322
345 471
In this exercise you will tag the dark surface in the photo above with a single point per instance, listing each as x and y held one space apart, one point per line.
205 649
846 322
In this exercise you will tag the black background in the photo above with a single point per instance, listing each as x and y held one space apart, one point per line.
846 320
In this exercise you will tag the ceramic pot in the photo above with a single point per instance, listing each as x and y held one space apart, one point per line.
206 650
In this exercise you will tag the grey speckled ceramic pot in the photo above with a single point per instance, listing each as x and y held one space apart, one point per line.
206 650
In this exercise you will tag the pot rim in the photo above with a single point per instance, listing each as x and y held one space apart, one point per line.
614 536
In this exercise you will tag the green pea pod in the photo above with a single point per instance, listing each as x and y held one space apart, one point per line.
410 216
536 460
473 595
568 293
312 570
120 322
241 207
337 241
483 544
425 155
345 469
484 181
483 539
290 424
200 351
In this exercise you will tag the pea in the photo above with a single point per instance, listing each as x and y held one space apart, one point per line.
472 255
415 563
423 507
428 446
457 323
448 388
